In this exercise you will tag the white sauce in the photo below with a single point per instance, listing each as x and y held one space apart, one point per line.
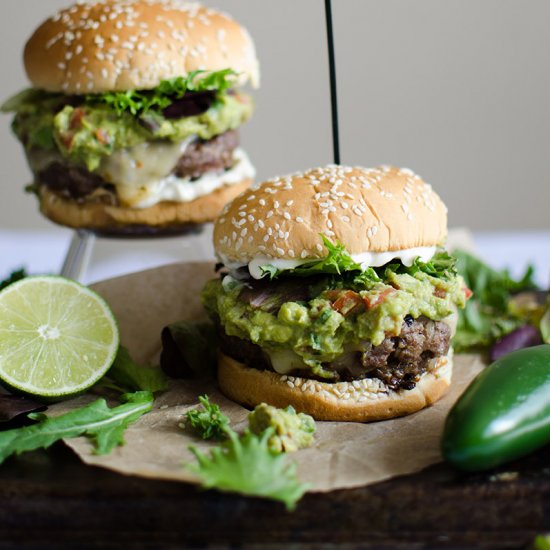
366 259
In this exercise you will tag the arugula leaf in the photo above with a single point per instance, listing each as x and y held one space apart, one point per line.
246 465
487 317
132 377
209 422
103 425
139 102
13 278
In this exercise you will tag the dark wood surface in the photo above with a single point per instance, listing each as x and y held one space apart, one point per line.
50 500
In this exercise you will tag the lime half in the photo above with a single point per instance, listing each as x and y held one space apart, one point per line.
57 337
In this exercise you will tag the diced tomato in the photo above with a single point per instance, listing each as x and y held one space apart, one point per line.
347 301
67 140
440 293
371 302
76 119
102 136
468 292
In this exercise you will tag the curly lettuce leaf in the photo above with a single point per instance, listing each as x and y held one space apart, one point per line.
247 466
139 102
338 261
208 421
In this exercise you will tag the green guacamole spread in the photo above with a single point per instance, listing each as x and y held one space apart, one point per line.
338 318
88 133
291 431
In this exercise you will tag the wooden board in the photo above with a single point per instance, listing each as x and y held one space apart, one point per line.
50 500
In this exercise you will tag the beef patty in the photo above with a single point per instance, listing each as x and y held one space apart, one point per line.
399 361
200 157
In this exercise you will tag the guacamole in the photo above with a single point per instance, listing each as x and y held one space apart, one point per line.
335 319
85 134
291 431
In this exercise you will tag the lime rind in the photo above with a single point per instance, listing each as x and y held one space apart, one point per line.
57 337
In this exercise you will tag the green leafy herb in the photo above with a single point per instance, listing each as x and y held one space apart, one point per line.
103 425
140 102
487 316
339 262
442 266
541 542
130 376
246 465
189 349
336 262
545 325
25 97
13 278
209 421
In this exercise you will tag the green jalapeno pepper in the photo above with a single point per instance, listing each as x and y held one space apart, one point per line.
504 414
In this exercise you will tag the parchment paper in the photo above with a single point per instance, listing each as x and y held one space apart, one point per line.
345 454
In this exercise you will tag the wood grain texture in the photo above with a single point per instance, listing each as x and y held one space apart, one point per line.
50 500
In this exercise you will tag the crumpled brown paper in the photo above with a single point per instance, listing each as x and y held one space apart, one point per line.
344 455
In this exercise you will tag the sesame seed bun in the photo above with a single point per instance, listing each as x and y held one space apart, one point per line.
164 216
362 401
104 46
367 210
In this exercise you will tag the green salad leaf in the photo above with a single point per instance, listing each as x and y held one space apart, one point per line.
139 102
545 325
103 425
339 262
129 376
487 316
246 465
442 266
136 102
541 542
209 422
13 278
336 262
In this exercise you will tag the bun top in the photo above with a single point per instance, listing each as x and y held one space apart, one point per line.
118 45
367 210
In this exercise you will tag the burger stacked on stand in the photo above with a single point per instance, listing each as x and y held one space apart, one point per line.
335 295
133 118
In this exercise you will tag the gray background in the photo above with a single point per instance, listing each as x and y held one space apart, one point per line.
457 90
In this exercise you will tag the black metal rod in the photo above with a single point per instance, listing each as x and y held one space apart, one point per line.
333 86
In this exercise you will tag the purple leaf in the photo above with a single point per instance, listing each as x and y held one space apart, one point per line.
523 337
11 406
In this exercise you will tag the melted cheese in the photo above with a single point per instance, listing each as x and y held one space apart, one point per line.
365 259
172 188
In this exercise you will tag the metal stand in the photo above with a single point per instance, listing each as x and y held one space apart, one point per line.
78 256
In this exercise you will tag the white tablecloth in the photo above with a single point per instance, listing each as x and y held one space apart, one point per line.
44 251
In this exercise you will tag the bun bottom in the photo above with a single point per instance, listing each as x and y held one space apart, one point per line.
361 401
162 218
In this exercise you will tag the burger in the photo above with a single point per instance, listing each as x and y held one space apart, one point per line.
335 295
132 121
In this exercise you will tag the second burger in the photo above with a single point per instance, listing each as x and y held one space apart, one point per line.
133 116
